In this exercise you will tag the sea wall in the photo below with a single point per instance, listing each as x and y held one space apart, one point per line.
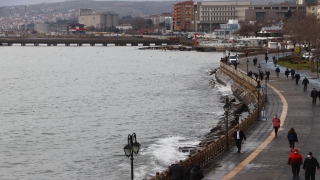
244 90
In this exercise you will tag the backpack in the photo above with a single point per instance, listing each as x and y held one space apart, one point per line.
291 137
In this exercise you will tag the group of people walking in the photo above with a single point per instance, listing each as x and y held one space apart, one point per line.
177 172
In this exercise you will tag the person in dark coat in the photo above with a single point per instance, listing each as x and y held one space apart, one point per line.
238 135
196 173
295 159
319 94
310 165
292 137
266 58
255 60
292 73
256 75
176 172
314 95
267 73
305 83
287 72
188 171
277 71
297 77
261 75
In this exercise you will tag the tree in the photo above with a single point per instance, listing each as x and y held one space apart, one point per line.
126 20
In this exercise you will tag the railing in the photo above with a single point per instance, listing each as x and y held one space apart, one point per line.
212 150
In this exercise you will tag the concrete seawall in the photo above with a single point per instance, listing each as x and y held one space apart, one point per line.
241 89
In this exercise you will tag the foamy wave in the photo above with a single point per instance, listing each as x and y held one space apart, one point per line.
225 90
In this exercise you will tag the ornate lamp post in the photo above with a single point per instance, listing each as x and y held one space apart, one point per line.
226 110
258 88
210 23
132 147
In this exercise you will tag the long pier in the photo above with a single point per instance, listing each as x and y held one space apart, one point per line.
117 41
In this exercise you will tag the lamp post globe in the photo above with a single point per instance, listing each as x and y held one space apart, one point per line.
136 147
127 150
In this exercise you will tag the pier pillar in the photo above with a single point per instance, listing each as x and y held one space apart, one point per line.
79 44
134 44
23 44
67 44
123 44
104 44
9 44
54 44
146 44
92 44
48 44
36 44
158 44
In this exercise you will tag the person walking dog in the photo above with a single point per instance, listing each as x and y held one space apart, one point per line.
239 136
276 124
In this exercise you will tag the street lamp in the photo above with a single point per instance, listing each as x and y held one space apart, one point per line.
258 88
318 67
259 67
247 64
226 110
266 95
210 23
132 147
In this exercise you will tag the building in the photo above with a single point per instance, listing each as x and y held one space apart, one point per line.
271 12
310 2
101 21
209 15
226 29
183 16
42 27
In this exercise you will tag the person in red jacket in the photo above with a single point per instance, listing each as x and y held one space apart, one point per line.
295 159
276 124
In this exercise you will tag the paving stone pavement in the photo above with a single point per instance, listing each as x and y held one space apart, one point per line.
271 163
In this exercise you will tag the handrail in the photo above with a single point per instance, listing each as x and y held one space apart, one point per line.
212 150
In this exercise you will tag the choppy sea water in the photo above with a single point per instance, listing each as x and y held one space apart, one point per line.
66 112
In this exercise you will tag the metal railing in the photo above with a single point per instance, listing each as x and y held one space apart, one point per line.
212 150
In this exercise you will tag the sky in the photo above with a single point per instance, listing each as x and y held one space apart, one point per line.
25 2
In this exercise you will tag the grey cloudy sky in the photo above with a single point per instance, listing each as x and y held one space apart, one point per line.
25 2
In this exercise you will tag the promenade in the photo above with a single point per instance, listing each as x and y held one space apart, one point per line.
264 156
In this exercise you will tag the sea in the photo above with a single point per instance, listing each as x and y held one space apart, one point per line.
66 112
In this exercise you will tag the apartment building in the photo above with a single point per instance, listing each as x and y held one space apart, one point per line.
101 20
209 15
183 16
271 12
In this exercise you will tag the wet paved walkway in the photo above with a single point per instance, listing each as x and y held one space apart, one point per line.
271 161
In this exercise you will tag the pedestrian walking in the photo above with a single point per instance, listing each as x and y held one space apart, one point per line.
256 75
310 165
314 95
305 83
287 72
196 173
319 95
297 77
238 135
268 74
250 74
247 53
292 137
295 160
266 58
276 124
188 171
293 72
255 60
277 71
266 54
261 74
235 65
176 172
